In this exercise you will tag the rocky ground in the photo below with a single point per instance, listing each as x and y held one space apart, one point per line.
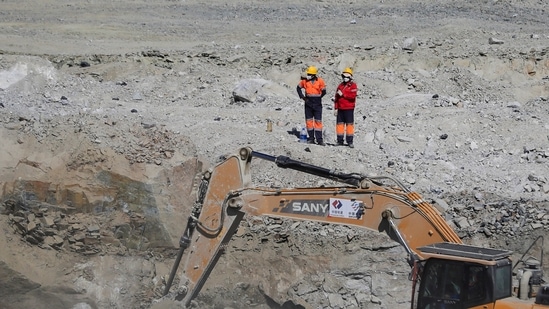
109 110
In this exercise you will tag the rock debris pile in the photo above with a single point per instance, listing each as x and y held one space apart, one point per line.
109 110
78 232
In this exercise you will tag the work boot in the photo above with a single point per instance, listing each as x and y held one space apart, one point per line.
340 143
351 145
321 143
310 141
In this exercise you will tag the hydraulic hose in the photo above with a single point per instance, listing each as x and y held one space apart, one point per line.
184 242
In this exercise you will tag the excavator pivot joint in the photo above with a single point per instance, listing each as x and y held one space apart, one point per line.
245 153
387 214
235 202
365 184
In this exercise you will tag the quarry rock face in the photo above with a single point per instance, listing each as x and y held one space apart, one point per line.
139 204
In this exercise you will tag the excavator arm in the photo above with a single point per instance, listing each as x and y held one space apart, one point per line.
227 195
445 272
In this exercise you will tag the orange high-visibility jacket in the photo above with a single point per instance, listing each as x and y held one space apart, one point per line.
314 88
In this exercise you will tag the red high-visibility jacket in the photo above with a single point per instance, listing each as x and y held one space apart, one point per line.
347 100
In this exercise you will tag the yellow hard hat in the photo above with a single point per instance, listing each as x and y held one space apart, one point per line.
312 70
348 71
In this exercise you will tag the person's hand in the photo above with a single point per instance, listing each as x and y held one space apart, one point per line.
339 93
335 112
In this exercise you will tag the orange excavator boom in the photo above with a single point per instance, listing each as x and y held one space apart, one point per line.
378 203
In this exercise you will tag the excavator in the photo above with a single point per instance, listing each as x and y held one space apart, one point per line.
445 272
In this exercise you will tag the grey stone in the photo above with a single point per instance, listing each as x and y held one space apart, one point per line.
492 41
410 44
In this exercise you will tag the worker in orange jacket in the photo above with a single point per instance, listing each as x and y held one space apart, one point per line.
344 107
311 90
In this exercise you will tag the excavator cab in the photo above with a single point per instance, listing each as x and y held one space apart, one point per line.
456 276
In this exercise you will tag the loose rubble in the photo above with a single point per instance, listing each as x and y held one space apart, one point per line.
103 137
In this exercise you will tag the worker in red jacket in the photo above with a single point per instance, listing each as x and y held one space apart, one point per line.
311 90
344 107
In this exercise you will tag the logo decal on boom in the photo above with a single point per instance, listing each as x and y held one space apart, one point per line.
343 208
337 204
317 208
